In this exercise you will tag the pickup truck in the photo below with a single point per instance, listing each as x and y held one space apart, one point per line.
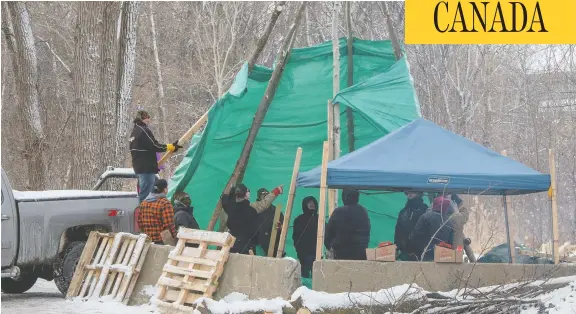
44 232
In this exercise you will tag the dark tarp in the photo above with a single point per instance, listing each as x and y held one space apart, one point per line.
423 156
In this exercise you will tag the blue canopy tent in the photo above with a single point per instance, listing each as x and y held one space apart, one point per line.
423 156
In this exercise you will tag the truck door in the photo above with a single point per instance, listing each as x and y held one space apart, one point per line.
9 224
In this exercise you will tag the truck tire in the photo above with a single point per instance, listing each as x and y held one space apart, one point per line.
68 266
20 285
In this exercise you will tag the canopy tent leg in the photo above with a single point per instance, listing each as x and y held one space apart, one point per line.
554 207
322 203
508 219
290 203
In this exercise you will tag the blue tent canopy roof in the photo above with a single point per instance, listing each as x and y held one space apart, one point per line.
423 156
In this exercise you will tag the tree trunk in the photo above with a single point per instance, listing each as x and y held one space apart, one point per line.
350 50
161 111
264 39
108 59
87 120
126 66
242 162
26 73
391 31
335 149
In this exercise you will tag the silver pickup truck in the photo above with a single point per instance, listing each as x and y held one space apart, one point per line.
44 233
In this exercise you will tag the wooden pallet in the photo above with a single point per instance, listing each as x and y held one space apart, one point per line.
109 266
191 273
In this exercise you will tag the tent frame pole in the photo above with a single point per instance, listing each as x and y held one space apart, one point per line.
290 203
554 207
331 193
322 202
508 219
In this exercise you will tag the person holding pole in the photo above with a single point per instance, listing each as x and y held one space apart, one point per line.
265 223
143 149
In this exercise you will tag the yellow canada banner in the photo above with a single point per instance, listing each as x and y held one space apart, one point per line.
490 22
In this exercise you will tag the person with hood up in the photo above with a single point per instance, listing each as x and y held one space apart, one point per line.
156 213
305 233
433 227
348 230
265 223
184 212
407 219
243 216
143 149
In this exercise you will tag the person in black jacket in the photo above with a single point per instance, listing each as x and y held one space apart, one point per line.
407 219
433 227
265 222
348 230
242 218
305 233
143 148
184 212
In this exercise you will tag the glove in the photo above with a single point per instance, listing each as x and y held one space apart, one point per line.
456 199
278 190
176 146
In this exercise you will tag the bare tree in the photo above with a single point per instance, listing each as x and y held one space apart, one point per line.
25 68
126 67
159 84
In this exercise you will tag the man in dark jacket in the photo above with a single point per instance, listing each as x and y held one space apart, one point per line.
348 230
407 219
184 212
265 224
143 148
433 227
242 217
305 233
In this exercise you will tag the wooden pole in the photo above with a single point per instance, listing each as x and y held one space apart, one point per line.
554 205
335 149
264 39
350 55
290 203
274 233
508 220
240 168
331 193
322 203
187 136
391 31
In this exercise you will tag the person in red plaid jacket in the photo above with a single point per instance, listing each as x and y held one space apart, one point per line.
157 213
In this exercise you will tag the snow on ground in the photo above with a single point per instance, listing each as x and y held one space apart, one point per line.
45 298
560 301
66 194
236 303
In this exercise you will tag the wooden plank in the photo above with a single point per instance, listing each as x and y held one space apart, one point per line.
508 220
85 258
195 252
322 203
187 136
187 272
213 283
195 260
289 203
191 272
272 244
90 280
137 254
554 207
117 270
137 270
199 236
173 283
161 291
109 260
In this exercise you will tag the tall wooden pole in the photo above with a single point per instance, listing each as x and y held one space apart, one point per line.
289 203
335 132
322 203
508 220
332 196
350 54
242 162
554 206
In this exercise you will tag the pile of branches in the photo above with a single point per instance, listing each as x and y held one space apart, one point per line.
500 299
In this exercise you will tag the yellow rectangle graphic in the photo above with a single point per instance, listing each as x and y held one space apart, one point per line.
490 22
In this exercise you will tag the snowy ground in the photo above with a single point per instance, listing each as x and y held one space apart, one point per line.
45 298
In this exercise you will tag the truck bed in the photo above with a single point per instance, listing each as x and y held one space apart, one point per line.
53 195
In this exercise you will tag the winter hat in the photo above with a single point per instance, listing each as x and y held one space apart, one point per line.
350 197
262 193
182 197
141 115
240 190
160 186
442 204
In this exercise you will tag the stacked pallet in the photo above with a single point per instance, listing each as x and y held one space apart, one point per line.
109 266
192 272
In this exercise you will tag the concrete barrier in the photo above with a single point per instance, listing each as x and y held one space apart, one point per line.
358 276
255 276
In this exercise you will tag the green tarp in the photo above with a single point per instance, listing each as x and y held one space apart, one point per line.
383 100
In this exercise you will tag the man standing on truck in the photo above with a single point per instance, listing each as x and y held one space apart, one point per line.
143 148
157 213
